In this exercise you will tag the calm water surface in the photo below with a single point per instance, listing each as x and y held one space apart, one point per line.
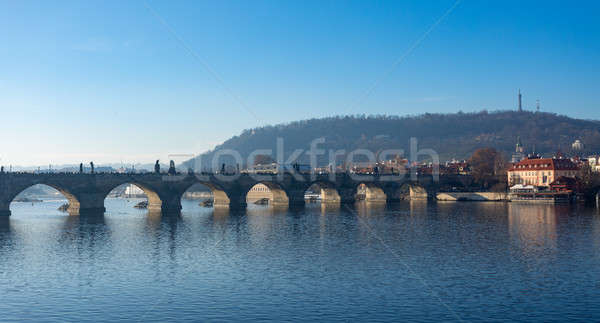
413 261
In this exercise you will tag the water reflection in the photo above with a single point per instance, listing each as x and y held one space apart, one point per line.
370 208
260 222
418 206
348 262
534 225
220 215
83 229
6 235
323 207
272 210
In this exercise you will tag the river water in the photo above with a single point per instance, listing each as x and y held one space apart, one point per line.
408 262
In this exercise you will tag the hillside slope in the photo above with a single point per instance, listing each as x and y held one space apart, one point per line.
451 135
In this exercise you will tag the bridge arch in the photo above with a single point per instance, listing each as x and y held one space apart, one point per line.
407 191
370 192
72 200
218 197
152 196
322 191
267 193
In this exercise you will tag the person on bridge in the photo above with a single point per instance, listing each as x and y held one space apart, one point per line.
172 170
81 168
157 167
92 167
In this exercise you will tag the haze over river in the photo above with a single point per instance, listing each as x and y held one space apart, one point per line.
416 261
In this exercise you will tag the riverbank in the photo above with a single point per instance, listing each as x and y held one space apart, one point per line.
472 196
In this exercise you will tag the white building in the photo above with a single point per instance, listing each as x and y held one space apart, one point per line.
577 145
594 162
133 191
541 171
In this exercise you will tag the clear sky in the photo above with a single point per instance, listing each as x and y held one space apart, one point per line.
136 81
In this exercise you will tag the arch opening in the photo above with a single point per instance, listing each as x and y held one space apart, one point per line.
369 192
48 197
204 195
132 195
409 192
321 192
267 194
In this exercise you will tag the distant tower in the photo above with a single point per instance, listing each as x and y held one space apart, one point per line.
519 145
519 152
520 106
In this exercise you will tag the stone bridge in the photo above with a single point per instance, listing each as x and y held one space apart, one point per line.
86 192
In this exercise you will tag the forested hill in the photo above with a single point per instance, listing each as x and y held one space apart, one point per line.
451 135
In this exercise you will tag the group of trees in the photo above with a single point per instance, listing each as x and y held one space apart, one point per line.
590 181
488 168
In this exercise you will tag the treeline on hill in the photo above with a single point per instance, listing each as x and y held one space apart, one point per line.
455 135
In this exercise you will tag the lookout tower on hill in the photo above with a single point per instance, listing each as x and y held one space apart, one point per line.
519 99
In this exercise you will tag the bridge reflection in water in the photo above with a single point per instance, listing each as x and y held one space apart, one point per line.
532 230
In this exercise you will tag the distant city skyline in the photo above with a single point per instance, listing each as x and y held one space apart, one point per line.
134 82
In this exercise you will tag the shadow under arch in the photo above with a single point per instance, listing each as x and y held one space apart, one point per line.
267 192
322 191
408 191
370 192
72 200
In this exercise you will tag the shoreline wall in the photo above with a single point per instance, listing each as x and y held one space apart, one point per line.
472 196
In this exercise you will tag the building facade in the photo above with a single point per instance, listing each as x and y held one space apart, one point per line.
541 171
594 162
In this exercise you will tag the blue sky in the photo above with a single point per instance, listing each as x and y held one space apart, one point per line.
137 81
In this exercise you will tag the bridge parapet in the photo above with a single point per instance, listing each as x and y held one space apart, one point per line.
86 192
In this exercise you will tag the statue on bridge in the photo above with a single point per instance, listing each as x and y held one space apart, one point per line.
172 170
157 167
1 169
81 168
92 167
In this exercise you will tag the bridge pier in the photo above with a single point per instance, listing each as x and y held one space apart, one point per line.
169 203
4 208
88 203
347 195
237 199
295 198
4 212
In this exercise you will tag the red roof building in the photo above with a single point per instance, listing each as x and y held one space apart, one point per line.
541 171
